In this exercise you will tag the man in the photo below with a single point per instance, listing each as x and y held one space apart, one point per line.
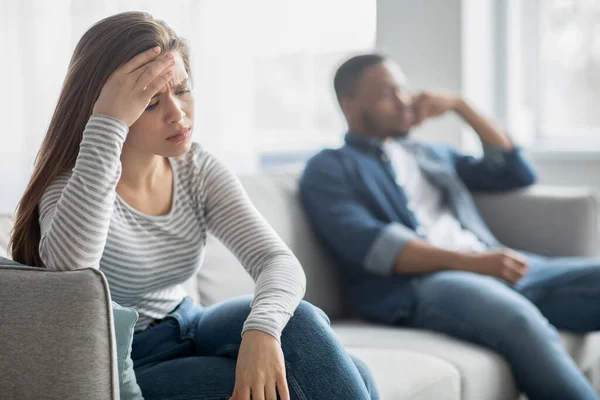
399 219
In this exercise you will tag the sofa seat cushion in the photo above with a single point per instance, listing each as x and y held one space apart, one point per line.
403 374
484 373
585 350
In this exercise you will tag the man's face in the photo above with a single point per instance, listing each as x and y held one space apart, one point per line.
382 102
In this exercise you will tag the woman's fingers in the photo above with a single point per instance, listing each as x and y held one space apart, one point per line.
158 83
145 75
125 96
271 391
258 392
282 387
242 393
140 60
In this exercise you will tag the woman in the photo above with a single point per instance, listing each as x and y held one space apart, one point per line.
118 185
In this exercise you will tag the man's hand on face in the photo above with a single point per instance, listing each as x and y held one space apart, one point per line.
432 104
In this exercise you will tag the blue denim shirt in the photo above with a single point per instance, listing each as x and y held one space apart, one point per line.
361 212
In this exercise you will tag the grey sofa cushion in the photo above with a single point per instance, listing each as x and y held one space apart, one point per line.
276 198
56 337
408 375
221 276
547 220
484 373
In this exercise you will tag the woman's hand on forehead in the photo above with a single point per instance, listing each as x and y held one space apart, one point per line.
128 91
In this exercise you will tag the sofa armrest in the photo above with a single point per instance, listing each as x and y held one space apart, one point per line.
56 335
551 221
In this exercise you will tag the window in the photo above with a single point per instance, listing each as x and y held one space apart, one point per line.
267 90
293 63
262 73
553 73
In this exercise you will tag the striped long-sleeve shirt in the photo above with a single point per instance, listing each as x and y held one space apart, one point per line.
84 223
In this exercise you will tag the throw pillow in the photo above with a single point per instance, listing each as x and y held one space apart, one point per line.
8 262
125 319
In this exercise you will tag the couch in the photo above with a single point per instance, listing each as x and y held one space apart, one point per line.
407 363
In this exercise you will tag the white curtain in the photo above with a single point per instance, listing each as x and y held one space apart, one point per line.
262 72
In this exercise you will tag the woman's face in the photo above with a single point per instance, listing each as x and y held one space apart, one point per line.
165 127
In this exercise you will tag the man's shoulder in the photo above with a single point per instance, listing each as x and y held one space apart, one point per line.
328 165
324 156
325 160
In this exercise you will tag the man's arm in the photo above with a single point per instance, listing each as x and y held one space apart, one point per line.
489 133
429 105
357 236
419 257
502 167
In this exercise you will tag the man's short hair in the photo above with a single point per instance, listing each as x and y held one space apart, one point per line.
351 71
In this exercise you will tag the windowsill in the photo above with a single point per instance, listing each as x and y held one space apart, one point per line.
553 154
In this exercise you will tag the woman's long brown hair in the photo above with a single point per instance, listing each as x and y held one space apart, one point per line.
106 46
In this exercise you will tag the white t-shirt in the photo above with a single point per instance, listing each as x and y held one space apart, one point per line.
441 227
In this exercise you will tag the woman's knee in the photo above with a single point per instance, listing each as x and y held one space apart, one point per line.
307 311
307 317
366 375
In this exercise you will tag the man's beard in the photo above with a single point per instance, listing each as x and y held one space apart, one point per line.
370 122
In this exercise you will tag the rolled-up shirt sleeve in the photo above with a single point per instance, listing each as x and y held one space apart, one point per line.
499 169
381 256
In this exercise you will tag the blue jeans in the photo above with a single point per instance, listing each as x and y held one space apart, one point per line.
519 321
192 354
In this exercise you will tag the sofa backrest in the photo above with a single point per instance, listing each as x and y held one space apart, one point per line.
275 195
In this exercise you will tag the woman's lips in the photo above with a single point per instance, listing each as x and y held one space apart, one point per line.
183 135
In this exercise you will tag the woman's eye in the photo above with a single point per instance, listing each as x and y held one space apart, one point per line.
184 91
151 106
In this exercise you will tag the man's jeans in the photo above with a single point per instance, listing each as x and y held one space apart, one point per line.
521 321
192 354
